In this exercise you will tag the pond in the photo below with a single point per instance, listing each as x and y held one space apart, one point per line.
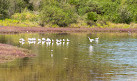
112 58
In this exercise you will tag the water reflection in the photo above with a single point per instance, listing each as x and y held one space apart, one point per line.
110 58
91 50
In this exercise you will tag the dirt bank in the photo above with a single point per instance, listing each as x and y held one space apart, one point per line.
9 53
63 30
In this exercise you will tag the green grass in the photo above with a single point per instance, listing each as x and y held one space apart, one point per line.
13 22
28 23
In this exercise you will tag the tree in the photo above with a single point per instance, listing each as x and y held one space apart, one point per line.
4 6
55 13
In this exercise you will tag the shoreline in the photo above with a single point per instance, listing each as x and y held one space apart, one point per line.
7 29
10 53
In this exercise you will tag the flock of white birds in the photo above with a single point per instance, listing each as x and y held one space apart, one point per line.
42 41
51 41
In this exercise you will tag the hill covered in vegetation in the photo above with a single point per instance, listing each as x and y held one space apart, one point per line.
64 13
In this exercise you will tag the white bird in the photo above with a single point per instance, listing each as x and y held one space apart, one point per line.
60 40
97 38
22 42
58 43
43 42
68 40
52 40
39 41
21 39
63 40
32 42
29 39
43 39
34 39
91 40
57 40
48 40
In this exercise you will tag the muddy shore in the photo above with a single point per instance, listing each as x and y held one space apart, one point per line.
9 53
61 30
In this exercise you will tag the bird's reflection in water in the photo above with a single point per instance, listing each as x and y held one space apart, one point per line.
48 43
97 41
91 49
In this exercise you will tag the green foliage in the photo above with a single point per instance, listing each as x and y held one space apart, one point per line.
124 15
65 12
13 22
20 5
62 16
89 6
25 15
74 2
4 5
92 16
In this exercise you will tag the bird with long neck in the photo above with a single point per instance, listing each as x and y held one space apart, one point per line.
91 40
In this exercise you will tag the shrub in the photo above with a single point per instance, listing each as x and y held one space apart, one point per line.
57 15
25 15
124 15
74 2
92 16
83 10
90 23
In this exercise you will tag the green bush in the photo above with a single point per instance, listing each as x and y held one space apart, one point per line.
4 6
92 16
74 2
124 15
89 6
25 15
56 15
83 10
91 23
94 6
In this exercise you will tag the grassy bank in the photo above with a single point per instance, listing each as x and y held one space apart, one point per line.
99 24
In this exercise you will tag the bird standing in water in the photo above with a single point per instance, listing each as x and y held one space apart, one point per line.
97 38
91 40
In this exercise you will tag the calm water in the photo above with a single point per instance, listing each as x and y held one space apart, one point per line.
112 58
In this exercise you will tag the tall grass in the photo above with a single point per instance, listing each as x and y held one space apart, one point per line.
19 23
24 19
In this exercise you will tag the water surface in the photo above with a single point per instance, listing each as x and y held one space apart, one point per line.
112 58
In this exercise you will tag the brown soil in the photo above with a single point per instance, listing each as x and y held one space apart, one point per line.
9 53
61 30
